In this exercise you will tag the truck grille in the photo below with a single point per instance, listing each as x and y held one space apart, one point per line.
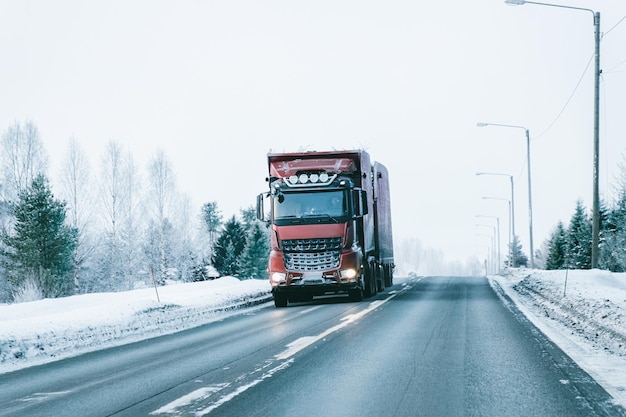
305 255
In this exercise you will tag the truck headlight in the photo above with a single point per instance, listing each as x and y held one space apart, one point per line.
277 277
348 273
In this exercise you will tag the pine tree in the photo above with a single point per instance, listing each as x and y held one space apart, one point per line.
517 255
556 248
228 248
253 261
578 253
41 246
613 252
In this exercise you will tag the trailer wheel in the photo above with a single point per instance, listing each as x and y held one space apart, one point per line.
388 272
280 300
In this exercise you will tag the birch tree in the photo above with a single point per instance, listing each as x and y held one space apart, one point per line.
22 158
160 198
131 214
112 195
76 190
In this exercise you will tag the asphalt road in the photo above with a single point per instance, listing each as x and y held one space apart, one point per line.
436 346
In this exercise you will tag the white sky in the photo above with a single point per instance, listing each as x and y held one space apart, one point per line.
217 84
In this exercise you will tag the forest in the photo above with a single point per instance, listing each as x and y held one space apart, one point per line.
110 229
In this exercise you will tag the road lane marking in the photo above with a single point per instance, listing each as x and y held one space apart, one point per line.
228 397
189 399
190 404
306 341
42 396
308 310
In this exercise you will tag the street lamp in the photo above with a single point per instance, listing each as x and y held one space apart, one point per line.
511 264
512 202
494 233
595 230
496 258
530 194
486 261
491 249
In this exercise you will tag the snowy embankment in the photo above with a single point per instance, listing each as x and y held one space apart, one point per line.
583 312
46 330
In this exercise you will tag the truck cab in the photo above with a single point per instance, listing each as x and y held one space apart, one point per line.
318 207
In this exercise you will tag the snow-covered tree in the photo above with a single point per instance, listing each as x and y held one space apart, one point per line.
212 222
186 249
516 253
41 245
160 202
76 190
228 248
255 255
578 242
557 248
112 197
22 158
613 249
160 264
131 221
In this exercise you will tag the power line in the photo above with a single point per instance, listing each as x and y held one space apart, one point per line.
558 116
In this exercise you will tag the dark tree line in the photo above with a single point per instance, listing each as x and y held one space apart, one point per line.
569 247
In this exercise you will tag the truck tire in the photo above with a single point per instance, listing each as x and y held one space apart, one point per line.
371 287
280 300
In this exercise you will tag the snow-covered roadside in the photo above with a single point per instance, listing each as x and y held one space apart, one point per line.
583 312
42 331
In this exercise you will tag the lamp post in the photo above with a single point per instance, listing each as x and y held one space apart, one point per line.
511 207
510 229
530 194
512 202
595 230
486 260
491 249
494 235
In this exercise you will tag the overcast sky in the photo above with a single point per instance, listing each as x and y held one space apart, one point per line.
217 84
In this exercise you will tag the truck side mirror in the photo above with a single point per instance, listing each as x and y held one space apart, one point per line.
260 207
359 203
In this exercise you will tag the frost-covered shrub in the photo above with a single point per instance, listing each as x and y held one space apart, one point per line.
28 291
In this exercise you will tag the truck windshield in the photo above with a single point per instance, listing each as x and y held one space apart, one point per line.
330 204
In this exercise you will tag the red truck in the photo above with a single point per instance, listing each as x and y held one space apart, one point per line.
330 218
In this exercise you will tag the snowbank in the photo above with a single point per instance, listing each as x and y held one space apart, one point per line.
582 312
41 331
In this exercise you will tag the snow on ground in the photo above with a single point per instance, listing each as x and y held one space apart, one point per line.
586 317
43 331
583 312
